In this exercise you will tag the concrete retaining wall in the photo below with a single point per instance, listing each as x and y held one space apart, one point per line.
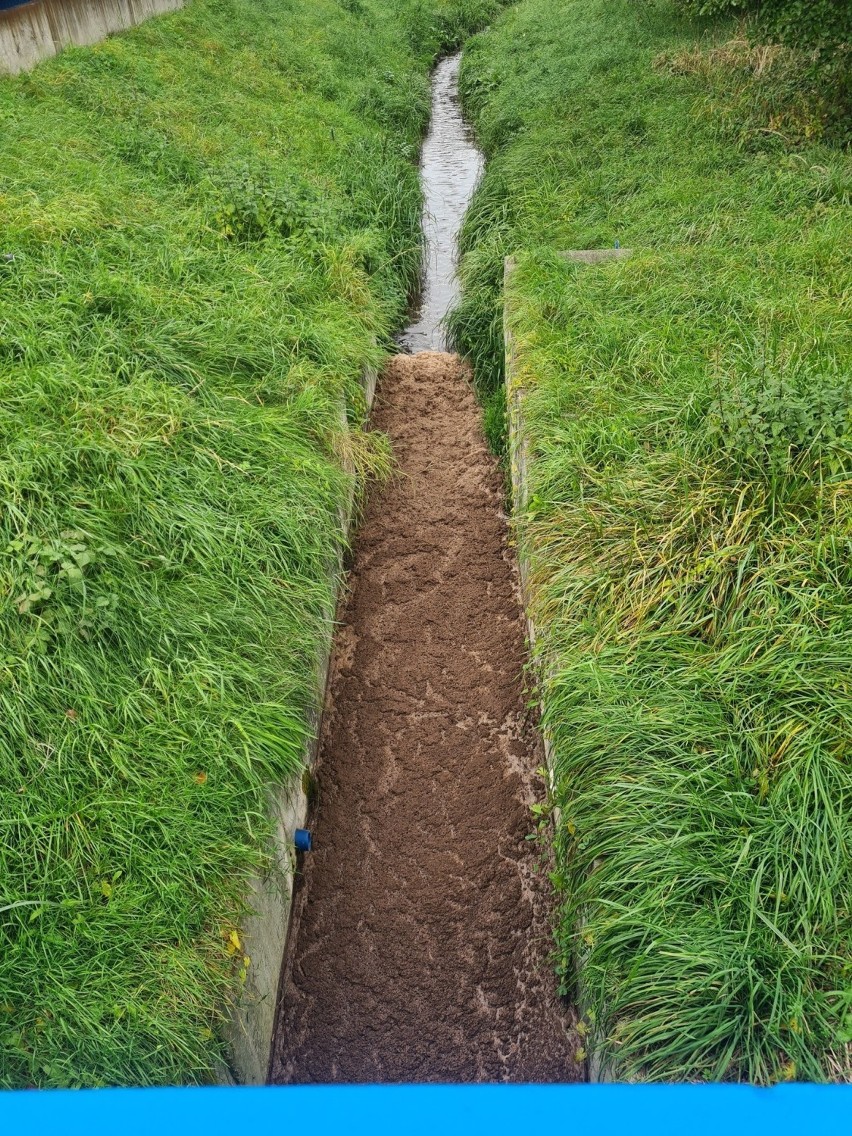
519 462
266 932
40 29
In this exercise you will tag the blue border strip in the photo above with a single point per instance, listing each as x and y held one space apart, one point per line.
439 1110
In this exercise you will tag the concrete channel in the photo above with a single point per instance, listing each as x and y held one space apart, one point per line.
319 924
420 936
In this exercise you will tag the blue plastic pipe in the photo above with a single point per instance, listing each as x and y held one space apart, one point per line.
303 840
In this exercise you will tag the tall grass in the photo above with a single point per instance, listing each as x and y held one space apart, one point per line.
206 227
689 416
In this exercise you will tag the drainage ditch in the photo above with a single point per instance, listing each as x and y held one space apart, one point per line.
420 933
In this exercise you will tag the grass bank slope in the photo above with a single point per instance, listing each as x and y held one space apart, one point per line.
688 413
205 227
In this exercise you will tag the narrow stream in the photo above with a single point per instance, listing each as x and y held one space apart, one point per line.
450 167
419 941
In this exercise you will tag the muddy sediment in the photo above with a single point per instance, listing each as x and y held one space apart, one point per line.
421 922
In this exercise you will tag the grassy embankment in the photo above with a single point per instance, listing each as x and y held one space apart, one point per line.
689 523
205 226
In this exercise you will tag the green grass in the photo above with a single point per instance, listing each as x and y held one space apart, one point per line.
212 226
689 414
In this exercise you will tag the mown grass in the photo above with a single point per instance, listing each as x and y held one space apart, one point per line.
689 416
208 228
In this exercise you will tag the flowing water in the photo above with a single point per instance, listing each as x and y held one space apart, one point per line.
450 167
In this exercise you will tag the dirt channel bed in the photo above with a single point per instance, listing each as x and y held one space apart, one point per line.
421 926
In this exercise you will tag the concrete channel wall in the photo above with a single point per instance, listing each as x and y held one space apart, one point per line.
265 934
519 463
42 28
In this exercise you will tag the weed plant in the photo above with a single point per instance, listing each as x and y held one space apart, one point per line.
208 228
689 418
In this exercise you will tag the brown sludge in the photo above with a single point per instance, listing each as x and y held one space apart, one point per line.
421 933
